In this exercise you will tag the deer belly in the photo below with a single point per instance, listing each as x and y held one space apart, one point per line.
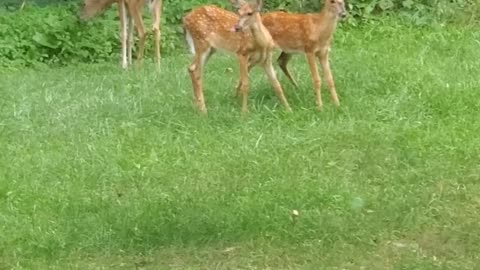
227 45
291 46
292 51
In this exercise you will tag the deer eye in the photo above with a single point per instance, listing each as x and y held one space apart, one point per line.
250 13
332 1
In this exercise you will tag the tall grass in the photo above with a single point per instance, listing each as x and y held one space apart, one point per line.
106 168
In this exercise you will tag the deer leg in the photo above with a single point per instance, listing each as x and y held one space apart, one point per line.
239 84
238 88
196 74
136 13
157 14
130 40
283 60
272 76
244 83
122 10
317 83
323 57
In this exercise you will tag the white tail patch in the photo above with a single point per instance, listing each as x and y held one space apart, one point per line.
191 44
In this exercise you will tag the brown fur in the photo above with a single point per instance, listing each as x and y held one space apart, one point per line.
310 34
92 8
212 28
130 13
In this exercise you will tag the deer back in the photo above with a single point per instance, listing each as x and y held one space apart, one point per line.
295 32
214 26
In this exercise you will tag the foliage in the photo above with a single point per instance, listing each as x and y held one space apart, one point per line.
108 169
54 35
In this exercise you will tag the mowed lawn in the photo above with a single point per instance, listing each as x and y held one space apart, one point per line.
106 169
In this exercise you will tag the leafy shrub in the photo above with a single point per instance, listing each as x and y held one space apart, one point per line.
418 10
54 35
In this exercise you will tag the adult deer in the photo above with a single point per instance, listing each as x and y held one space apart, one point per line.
210 28
310 34
130 13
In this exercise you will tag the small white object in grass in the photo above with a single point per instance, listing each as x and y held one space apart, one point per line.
295 213
357 203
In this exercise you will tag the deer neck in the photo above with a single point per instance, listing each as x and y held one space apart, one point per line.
260 34
328 20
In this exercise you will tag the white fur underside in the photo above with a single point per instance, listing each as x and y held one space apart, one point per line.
191 44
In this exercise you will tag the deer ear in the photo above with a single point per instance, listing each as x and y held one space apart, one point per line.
237 3
234 3
259 5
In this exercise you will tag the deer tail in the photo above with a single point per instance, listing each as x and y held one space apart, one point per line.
189 40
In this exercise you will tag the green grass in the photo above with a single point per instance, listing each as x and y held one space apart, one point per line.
106 169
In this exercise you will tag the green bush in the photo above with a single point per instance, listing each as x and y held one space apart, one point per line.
52 34
55 35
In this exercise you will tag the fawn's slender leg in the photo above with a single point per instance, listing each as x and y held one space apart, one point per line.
275 83
136 13
317 83
196 74
323 57
157 14
239 84
130 40
122 10
283 60
244 83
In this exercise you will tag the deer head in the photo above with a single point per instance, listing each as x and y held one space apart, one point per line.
336 7
247 12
